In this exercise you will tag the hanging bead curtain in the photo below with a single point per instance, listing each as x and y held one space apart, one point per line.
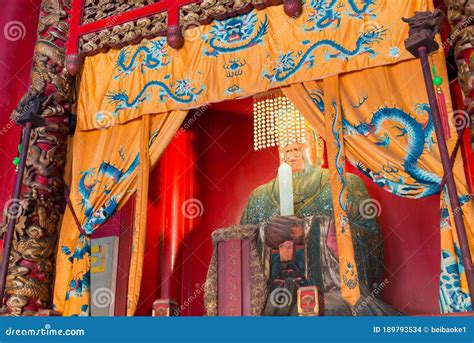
277 122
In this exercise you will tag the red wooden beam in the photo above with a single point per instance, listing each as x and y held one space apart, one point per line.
77 29
72 56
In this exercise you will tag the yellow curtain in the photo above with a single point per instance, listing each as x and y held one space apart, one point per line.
242 56
305 101
108 166
389 136
350 288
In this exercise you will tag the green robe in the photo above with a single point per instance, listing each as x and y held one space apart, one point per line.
313 199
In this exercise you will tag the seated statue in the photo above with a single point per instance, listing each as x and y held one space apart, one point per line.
312 227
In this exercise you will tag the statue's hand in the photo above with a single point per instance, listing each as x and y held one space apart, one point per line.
281 229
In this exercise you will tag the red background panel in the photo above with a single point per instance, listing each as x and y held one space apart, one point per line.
18 24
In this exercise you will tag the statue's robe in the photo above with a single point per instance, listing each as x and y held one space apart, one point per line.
319 261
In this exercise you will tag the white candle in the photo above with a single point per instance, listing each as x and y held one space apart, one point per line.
285 180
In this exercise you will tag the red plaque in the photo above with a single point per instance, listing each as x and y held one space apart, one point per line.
233 264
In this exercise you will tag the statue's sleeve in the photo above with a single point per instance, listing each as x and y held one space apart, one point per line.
245 219
250 215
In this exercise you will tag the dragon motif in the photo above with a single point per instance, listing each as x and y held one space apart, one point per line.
339 160
419 137
289 63
235 34
85 190
364 11
322 15
79 285
182 91
397 186
452 297
155 56
100 216
95 218
317 96
116 174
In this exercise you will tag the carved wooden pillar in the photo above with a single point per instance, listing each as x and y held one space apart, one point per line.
30 272
461 17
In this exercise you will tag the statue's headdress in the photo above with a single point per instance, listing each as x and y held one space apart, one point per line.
277 122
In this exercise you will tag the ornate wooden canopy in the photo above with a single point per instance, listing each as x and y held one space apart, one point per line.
97 25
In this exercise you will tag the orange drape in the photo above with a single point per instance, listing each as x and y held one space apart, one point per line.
389 136
108 166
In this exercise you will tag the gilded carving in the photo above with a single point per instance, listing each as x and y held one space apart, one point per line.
30 271
124 34
157 25
100 9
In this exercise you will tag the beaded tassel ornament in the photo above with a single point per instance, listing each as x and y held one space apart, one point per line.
277 122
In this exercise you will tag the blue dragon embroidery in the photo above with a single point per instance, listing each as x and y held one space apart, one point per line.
396 186
155 56
452 297
317 96
94 218
444 212
419 137
78 286
116 174
82 248
182 92
365 10
322 15
235 34
289 63
340 163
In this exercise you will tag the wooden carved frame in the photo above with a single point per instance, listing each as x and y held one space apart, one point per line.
166 17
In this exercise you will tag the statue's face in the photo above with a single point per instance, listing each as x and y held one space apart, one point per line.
293 155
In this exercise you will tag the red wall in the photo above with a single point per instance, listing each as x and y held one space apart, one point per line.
16 52
227 169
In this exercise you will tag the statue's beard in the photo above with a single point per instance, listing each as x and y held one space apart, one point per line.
301 164
297 164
